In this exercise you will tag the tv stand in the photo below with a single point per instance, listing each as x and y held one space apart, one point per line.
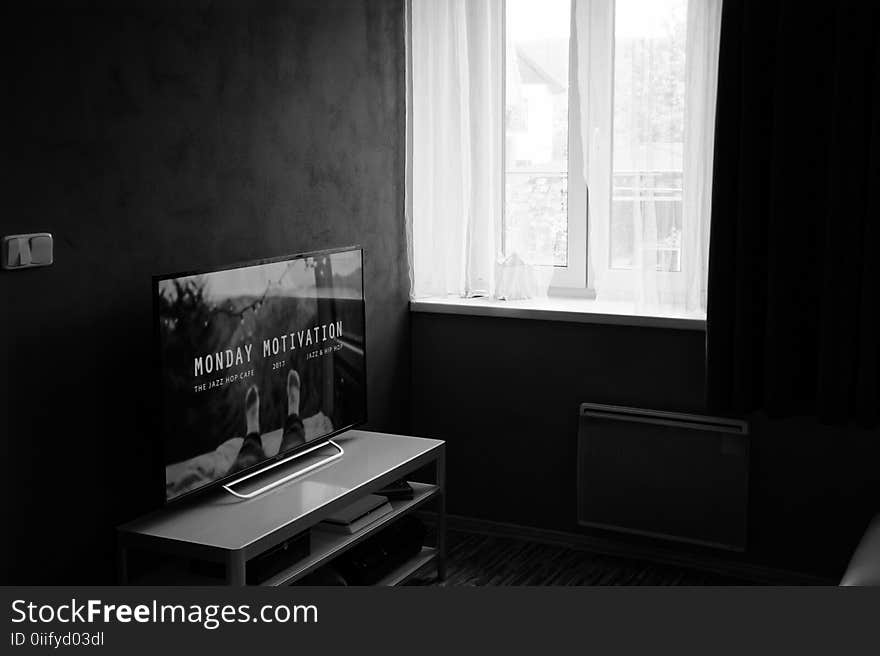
288 477
230 532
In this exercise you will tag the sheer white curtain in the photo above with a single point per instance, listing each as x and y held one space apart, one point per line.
593 45
701 87
456 61
648 147
643 103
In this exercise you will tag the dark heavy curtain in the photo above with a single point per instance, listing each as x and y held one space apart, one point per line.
794 268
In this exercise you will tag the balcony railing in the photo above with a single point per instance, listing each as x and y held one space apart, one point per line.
644 203
646 220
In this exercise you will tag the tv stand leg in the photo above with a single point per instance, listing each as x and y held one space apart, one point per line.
122 565
441 517
235 568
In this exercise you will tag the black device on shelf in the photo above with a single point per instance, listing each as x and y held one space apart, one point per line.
398 490
278 558
267 564
379 555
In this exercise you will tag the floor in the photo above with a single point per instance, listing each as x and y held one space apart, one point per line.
479 560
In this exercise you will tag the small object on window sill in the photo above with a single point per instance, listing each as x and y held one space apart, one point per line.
515 280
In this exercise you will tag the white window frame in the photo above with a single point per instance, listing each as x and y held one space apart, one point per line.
576 278
571 279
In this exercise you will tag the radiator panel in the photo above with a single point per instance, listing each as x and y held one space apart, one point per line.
680 477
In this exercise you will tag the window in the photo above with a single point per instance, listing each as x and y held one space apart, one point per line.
536 130
544 217
605 119
649 81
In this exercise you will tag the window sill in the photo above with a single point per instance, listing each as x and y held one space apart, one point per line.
573 310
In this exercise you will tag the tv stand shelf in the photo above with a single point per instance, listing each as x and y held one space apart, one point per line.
222 529
327 545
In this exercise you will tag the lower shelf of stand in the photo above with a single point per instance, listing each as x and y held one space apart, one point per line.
327 545
410 568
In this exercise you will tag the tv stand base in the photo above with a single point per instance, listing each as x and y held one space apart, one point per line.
289 477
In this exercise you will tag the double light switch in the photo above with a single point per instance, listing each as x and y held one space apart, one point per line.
24 251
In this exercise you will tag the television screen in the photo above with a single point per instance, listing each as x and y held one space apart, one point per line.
257 361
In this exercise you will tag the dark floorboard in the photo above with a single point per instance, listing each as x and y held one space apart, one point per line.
478 560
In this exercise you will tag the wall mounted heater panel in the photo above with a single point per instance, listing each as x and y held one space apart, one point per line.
664 474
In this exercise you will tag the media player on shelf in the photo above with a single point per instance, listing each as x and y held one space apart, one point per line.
359 514
260 363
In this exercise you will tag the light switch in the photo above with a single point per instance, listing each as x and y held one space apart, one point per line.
41 250
25 251
18 252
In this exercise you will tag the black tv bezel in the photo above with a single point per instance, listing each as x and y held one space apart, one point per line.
158 363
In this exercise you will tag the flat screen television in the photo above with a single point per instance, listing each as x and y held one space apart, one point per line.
257 361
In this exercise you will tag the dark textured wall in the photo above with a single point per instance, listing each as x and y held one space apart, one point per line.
505 394
156 137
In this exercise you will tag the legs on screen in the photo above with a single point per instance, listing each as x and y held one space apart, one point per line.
251 451
294 432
